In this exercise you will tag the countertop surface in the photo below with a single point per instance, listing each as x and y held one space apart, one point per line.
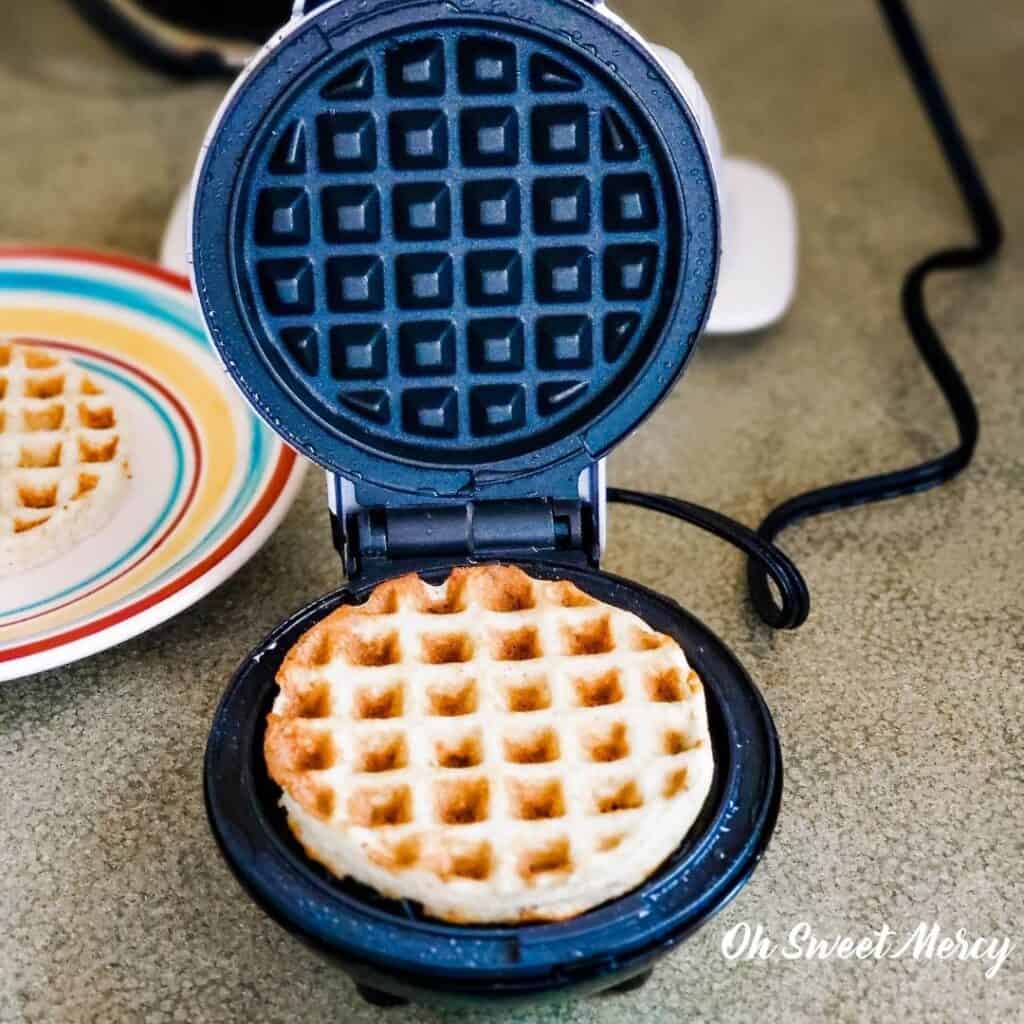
899 704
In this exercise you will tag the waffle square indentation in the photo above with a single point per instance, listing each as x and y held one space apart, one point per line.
37 495
613 796
497 409
358 351
561 206
665 686
415 68
490 209
534 746
553 857
346 142
282 217
489 137
494 278
351 213
673 742
462 801
381 752
536 799
619 329
371 404
431 412
675 782
46 456
354 82
355 283
563 274
424 280
595 691
522 644
418 139
549 75
588 636
314 700
422 211
559 134
627 203
49 417
617 142
496 345
370 702
605 742
287 286
452 700
96 451
373 651
629 271
486 66
90 418
289 155
427 348
555 395
445 648
39 387
459 751
564 343
376 808
529 694
304 345
86 482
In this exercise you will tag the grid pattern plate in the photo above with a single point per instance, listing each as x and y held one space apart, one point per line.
457 243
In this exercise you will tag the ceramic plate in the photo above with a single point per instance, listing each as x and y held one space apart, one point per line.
209 481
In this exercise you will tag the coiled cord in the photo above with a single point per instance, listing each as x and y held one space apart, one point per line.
765 560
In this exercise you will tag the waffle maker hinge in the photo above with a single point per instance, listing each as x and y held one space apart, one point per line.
377 536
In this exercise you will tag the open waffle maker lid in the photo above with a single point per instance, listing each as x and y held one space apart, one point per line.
443 247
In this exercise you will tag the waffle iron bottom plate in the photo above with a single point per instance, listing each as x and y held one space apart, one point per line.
390 947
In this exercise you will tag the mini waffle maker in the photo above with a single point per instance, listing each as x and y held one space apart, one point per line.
454 252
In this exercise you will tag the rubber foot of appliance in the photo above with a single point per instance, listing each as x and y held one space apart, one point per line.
630 984
376 997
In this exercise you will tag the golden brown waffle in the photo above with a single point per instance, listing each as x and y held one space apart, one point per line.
498 748
62 464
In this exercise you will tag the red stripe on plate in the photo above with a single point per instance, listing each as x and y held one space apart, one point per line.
282 471
103 259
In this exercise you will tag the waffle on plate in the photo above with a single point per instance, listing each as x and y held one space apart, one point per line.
498 748
63 470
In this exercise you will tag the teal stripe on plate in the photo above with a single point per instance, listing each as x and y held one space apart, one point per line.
255 472
177 314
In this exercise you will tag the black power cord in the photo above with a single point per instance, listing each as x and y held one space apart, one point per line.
770 560
765 560
188 38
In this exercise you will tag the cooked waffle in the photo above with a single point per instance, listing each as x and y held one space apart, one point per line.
498 748
63 469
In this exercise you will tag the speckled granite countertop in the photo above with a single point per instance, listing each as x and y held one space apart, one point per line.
899 704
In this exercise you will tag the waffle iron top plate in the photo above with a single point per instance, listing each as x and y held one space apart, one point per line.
439 246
